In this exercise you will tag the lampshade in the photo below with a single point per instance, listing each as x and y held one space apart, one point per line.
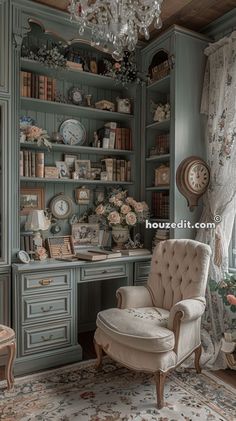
37 221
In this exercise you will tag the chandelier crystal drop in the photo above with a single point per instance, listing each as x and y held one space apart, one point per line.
116 22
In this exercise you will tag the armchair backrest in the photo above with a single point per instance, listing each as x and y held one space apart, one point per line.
179 270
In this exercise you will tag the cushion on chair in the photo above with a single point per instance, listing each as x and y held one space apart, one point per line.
179 271
6 334
142 328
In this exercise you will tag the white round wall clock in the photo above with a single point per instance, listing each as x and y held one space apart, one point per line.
73 132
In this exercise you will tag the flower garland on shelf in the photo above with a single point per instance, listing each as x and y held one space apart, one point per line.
125 71
50 57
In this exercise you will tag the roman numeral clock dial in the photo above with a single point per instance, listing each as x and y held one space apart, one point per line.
192 179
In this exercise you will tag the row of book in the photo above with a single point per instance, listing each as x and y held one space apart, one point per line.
112 137
37 86
160 205
116 169
162 145
31 164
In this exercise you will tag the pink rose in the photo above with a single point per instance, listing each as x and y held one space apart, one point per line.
33 132
100 209
117 66
114 217
125 209
130 201
145 206
131 218
138 207
112 199
118 203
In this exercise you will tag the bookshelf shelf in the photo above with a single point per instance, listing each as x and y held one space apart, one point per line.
162 85
162 188
71 181
157 158
76 149
68 74
33 104
159 125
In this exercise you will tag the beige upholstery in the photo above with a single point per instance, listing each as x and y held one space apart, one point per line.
157 326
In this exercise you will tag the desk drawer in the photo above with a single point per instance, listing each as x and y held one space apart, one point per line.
142 270
45 281
46 307
103 272
46 337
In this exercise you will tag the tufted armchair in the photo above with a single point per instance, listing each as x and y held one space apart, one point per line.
156 327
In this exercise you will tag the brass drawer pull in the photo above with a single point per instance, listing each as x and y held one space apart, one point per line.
46 310
46 339
44 282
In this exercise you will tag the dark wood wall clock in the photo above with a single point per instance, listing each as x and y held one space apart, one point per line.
192 179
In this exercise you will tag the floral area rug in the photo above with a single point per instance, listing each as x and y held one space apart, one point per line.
80 392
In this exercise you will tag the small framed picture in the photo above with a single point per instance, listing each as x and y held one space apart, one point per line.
63 169
83 168
31 198
85 235
82 196
70 162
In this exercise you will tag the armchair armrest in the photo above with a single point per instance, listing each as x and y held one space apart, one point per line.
191 309
133 297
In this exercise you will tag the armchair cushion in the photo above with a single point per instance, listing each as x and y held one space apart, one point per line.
191 308
143 328
134 297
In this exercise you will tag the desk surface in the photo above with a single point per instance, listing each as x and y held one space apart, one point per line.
57 264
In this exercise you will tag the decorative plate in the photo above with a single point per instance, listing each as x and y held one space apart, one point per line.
73 132
26 121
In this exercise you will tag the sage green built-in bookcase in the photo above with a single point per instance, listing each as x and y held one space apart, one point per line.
181 87
49 115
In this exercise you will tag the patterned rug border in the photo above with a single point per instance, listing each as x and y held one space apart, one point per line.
92 362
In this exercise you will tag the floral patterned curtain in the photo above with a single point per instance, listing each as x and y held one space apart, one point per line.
219 106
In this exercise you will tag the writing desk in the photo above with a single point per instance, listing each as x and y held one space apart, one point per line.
53 301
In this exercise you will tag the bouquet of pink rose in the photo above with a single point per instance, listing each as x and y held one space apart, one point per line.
120 209
31 133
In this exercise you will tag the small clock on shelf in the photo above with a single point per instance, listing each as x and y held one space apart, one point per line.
75 95
61 206
192 179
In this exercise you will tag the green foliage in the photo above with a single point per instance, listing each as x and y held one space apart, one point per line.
226 287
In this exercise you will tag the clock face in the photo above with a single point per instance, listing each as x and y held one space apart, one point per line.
197 177
61 206
76 96
73 132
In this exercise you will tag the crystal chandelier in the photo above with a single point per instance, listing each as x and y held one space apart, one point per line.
116 22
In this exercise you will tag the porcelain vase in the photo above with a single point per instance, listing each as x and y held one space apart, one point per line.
120 235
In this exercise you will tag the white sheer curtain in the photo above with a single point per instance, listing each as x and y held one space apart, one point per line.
219 105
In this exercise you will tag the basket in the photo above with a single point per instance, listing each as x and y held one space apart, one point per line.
160 71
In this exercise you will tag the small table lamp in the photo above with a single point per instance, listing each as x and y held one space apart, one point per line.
37 221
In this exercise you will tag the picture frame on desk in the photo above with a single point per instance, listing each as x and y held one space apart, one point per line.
63 169
85 235
83 168
31 198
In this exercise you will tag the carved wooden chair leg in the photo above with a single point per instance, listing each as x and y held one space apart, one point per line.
198 352
9 367
98 350
160 382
